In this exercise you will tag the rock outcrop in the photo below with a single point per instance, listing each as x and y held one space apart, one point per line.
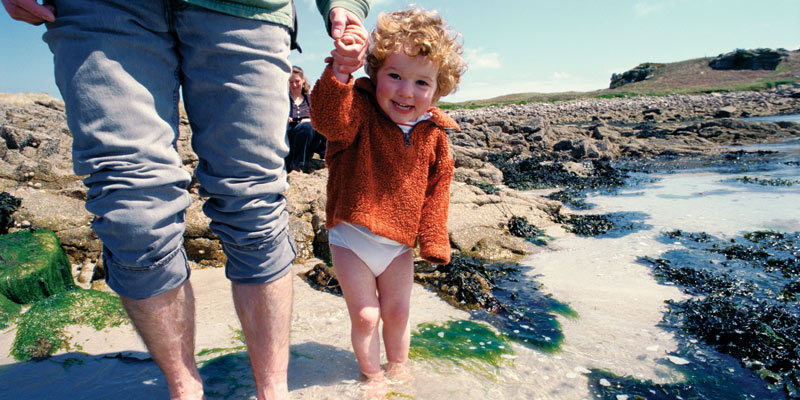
639 73
756 59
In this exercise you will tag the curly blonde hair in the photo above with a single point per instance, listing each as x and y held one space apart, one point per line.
419 33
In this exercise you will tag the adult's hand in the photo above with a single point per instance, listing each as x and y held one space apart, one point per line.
349 54
31 11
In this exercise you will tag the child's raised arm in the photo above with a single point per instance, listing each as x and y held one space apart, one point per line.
348 53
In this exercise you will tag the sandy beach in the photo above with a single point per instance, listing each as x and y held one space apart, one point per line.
618 302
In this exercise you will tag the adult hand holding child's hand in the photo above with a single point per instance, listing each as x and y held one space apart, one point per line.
349 50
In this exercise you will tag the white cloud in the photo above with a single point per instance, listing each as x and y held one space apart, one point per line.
644 8
479 58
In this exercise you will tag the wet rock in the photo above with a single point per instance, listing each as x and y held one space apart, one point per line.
8 205
465 282
726 112
323 278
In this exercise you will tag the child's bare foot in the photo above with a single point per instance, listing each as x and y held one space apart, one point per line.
374 385
399 372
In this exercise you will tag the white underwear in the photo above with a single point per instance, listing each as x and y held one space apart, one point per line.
376 251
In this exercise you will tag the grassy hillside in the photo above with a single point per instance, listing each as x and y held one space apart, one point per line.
684 77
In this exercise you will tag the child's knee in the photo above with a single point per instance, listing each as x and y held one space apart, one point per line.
395 314
366 319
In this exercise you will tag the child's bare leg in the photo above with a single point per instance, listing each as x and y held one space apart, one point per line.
359 289
394 292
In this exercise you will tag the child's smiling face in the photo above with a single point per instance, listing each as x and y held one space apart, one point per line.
405 86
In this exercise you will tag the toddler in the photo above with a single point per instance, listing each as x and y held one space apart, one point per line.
389 173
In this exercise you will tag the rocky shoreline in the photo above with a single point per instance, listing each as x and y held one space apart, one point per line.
517 166
574 137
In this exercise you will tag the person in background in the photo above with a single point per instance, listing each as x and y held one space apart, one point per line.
304 141
389 176
121 67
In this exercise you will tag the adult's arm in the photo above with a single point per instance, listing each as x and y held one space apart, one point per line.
342 17
336 20
29 11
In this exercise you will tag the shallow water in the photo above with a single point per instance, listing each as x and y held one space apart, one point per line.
723 200
776 118
618 342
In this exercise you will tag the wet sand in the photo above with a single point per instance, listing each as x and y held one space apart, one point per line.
618 302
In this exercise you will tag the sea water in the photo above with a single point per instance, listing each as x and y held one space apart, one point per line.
620 331
618 344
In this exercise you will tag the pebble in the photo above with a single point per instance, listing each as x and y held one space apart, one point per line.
604 382
582 370
677 360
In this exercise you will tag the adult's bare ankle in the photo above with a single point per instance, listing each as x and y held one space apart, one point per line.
275 388
188 394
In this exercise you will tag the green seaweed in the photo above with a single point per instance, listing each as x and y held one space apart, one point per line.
228 377
33 266
8 311
464 343
397 395
205 356
40 330
563 309
498 294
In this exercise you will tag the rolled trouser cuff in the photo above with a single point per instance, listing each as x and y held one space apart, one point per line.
141 282
263 263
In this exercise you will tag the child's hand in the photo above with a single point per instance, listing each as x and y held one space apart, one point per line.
350 50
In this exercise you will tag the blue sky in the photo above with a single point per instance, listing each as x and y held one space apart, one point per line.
515 45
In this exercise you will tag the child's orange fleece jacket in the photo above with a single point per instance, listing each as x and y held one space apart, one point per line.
395 185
